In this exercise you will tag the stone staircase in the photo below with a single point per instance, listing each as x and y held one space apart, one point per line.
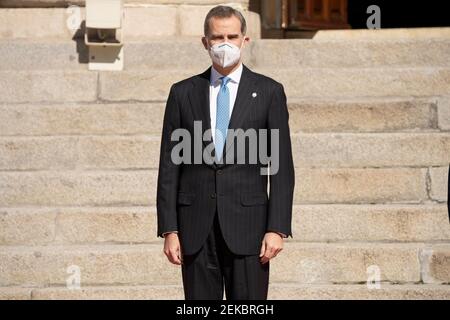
370 122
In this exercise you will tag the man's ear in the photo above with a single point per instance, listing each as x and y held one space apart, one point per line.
205 43
245 41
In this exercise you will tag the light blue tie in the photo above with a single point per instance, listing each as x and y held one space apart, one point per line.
222 117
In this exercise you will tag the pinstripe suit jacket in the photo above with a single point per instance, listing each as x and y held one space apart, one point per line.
189 194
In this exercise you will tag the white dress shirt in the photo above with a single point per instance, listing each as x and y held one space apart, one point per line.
214 88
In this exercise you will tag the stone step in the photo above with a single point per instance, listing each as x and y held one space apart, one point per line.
349 53
370 150
369 115
357 292
62 86
65 3
384 33
153 86
317 150
39 3
307 116
138 187
139 22
302 263
160 54
276 291
311 223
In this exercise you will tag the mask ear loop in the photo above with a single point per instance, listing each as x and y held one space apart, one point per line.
242 44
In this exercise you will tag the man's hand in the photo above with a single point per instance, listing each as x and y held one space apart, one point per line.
272 244
172 248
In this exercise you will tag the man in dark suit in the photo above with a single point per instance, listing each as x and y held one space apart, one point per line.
217 219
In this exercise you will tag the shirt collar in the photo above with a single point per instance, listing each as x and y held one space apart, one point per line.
235 76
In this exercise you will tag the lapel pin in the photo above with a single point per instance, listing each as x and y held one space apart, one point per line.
254 94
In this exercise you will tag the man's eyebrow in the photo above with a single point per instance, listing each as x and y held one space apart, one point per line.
222 35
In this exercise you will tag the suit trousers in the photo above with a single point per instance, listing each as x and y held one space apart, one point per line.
214 266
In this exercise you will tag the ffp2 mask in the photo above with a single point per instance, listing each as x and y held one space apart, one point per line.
225 54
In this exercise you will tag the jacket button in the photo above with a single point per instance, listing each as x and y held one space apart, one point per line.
219 171
213 195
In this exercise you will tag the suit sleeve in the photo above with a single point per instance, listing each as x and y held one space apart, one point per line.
282 182
168 173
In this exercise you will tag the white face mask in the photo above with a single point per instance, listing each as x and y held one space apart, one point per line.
225 54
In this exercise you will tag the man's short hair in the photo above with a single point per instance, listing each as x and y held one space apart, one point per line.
224 12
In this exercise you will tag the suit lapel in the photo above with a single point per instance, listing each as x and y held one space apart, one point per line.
199 99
